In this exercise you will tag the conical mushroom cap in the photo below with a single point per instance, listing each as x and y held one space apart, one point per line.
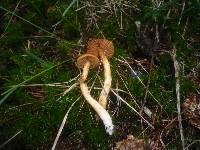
94 45
87 57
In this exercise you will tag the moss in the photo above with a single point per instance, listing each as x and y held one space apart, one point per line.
41 119
13 36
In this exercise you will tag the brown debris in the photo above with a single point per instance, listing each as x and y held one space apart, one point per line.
131 143
37 93
191 110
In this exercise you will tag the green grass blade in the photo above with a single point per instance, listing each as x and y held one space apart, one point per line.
7 95
12 13
11 17
70 5
38 59
11 90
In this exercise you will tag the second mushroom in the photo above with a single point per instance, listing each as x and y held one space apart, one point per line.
102 49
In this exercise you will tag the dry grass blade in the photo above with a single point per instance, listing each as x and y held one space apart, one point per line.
61 84
53 35
124 61
7 93
11 17
70 5
176 68
67 91
133 98
132 108
62 125
6 142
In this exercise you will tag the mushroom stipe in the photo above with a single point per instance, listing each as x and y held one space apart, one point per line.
103 114
98 48
107 81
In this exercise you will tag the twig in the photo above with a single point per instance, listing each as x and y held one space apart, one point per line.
177 77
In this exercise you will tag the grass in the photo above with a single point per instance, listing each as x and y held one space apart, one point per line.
40 42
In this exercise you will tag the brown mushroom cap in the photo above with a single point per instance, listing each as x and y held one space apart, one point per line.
92 47
87 57
107 46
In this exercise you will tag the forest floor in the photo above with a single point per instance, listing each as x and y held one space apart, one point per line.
154 101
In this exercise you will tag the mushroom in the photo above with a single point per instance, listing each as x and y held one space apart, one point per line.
87 61
105 50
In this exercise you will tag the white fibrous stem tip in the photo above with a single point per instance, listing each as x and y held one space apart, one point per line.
109 128
104 115
106 118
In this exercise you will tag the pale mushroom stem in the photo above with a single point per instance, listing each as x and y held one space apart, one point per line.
107 81
103 114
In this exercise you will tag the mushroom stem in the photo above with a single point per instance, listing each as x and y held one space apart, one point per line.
103 114
86 68
108 79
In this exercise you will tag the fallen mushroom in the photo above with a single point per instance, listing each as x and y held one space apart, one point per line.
105 50
87 61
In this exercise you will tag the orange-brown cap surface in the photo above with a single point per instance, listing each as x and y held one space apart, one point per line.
87 57
94 45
